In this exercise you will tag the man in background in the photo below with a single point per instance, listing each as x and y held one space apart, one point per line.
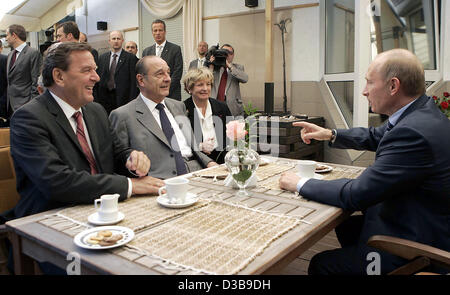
117 71
199 62
169 52
23 68
131 47
83 39
3 86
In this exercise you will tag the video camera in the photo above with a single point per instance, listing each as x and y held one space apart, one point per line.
220 57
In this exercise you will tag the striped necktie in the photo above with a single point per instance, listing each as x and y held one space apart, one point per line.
83 142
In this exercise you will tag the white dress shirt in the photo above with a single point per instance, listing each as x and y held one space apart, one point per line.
19 49
207 123
69 111
117 58
186 151
201 62
159 48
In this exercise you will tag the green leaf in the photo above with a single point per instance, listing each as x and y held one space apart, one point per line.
242 176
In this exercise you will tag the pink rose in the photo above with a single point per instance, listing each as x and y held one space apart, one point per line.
236 130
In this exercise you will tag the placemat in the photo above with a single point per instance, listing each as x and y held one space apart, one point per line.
140 212
220 238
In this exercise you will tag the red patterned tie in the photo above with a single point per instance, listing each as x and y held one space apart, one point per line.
83 142
222 85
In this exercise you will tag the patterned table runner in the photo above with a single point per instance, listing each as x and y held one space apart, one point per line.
220 238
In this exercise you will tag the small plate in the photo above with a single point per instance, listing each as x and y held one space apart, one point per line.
81 239
94 219
328 168
316 176
190 200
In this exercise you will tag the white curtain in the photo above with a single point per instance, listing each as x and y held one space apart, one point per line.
192 21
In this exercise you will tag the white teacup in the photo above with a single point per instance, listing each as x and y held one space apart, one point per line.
176 189
307 168
109 207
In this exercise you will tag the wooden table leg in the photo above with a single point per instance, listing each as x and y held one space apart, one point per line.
23 265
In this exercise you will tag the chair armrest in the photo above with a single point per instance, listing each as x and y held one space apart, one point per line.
409 249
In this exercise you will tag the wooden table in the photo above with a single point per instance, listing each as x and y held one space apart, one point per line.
34 241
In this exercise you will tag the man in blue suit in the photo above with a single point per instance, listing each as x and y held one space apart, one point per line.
406 192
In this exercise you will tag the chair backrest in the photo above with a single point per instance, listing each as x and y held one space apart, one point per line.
8 193
4 137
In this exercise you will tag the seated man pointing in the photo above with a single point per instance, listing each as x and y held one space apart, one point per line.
406 192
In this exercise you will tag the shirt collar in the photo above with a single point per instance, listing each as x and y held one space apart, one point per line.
118 53
21 47
162 44
208 112
394 118
151 104
66 108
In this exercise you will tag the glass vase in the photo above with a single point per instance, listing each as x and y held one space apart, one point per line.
242 164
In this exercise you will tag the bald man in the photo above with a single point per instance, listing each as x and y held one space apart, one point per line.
131 47
199 62
406 192
116 69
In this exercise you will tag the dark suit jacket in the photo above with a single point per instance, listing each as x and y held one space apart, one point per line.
50 165
220 112
23 76
406 192
3 86
125 78
172 55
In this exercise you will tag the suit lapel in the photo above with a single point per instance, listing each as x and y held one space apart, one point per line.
179 116
415 105
61 119
18 58
120 62
145 117
165 52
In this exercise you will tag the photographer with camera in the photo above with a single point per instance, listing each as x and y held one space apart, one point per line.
227 76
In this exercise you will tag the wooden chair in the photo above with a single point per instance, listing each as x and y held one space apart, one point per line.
4 137
8 194
419 255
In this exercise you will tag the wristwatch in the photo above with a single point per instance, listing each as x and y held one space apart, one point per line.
333 135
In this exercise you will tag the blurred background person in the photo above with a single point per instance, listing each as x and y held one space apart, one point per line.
131 47
208 116
199 62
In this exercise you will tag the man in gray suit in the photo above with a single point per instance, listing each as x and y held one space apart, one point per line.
23 67
169 52
226 82
158 125
200 61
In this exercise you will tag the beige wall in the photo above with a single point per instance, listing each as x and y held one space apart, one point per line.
246 34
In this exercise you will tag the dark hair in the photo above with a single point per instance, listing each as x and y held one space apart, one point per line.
159 21
227 45
19 31
70 28
59 57
1 44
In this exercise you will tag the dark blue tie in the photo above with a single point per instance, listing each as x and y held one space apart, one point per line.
389 126
172 139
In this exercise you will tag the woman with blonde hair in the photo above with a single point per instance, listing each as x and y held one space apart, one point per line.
207 115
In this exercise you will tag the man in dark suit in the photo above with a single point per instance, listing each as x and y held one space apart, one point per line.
202 49
83 39
3 86
117 72
171 53
63 147
23 67
406 192
157 125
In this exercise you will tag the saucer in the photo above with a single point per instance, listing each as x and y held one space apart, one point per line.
94 219
81 239
190 200
325 168
316 176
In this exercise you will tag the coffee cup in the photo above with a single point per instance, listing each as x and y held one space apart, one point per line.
307 168
108 208
176 190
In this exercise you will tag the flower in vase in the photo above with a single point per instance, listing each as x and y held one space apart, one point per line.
236 130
